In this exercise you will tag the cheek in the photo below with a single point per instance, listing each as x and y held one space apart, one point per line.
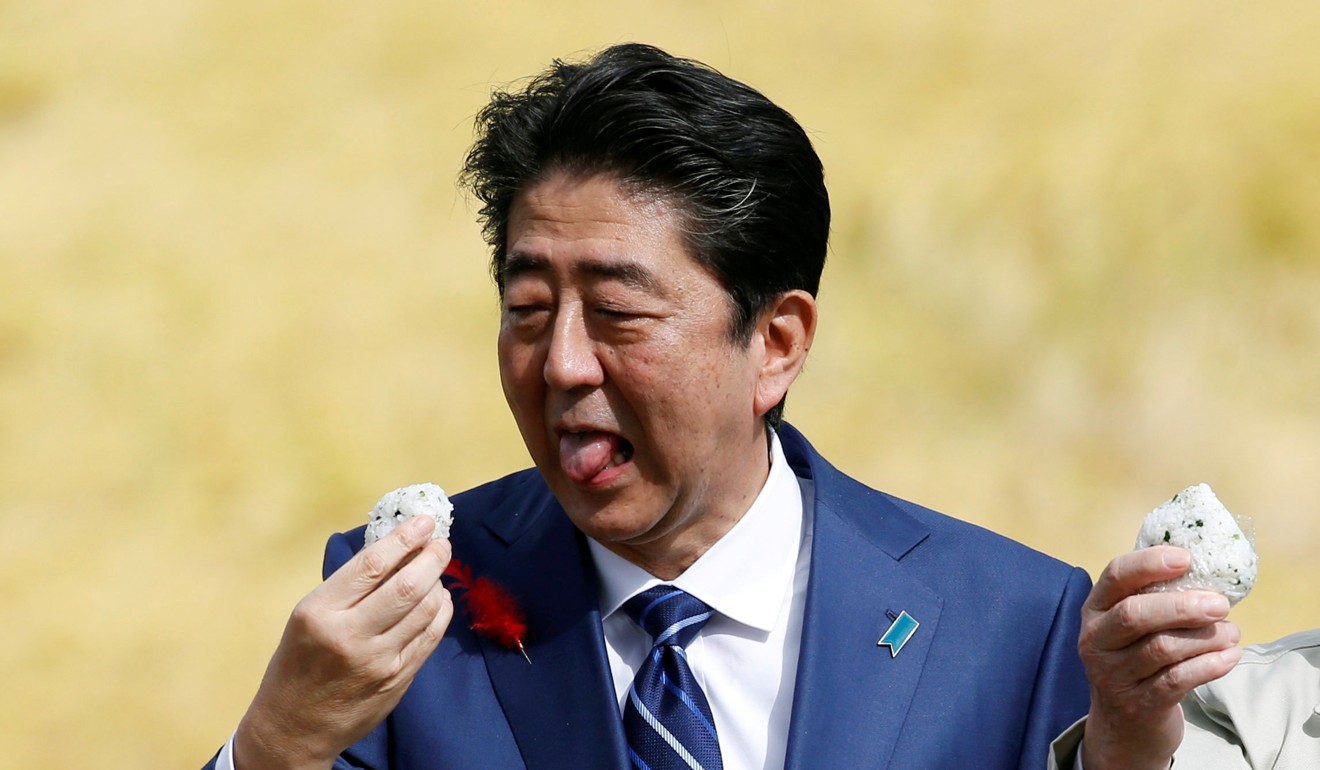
683 373
519 372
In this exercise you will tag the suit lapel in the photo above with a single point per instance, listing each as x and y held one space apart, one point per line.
852 697
561 707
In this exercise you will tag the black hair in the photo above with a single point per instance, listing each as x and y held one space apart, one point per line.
739 169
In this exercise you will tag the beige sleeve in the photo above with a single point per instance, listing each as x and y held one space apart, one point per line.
1209 741
1063 751
1206 745
1263 715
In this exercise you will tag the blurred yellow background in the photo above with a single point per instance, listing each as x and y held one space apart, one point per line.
1075 268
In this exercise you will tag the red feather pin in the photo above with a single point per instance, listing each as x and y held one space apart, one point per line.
493 610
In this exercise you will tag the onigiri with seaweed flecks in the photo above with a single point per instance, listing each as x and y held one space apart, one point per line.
1223 559
404 503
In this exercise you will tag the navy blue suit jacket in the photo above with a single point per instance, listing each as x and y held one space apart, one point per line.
990 677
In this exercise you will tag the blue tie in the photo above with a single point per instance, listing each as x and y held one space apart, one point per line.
666 717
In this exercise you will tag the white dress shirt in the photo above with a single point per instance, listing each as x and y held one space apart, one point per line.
745 657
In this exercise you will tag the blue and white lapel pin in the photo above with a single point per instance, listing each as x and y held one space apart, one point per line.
901 629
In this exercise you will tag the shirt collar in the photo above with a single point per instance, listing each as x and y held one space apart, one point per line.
745 574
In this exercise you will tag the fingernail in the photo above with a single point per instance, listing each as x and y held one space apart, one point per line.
1215 607
1177 558
416 525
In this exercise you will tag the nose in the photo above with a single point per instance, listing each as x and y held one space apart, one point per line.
572 360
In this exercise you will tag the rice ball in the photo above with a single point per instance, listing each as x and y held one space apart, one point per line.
404 503
1223 559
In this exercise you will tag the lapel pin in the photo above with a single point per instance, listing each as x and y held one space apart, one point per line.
900 631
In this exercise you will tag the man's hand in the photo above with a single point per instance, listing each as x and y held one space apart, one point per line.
349 651
1143 653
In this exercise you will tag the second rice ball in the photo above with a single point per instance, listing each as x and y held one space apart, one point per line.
1223 559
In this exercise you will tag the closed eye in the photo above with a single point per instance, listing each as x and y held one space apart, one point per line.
627 317
527 316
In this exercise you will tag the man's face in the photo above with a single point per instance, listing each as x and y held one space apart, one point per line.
616 361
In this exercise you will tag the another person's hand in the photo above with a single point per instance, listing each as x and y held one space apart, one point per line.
1143 653
349 651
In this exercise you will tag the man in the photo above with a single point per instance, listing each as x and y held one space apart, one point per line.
658 234
1170 688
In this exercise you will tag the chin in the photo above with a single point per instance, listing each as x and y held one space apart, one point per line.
607 523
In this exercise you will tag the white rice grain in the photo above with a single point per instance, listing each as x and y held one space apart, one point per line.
1223 559
404 503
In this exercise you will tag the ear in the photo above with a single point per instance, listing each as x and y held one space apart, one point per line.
784 333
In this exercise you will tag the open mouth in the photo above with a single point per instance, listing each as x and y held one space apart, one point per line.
588 457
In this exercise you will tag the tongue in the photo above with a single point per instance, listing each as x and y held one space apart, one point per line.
583 455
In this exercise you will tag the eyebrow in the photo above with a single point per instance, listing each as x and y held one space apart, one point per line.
630 274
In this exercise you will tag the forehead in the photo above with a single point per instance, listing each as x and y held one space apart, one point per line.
567 216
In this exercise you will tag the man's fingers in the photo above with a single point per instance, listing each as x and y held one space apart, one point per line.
1129 573
1145 651
372 565
1182 678
1144 614
1157 652
1137 703
402 591
1176 681
421 630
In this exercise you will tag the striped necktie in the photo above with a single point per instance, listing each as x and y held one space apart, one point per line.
666 717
